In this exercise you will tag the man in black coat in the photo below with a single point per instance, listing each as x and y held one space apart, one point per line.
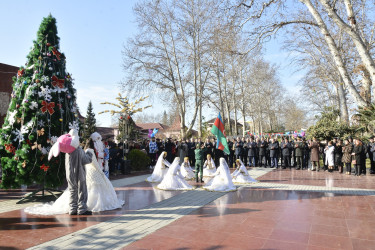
371 154
244 151
273 147
306 154
229 157
191 154
298 152
238 145
285 152
252 149
262 145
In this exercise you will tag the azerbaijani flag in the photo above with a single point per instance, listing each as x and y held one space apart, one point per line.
219 131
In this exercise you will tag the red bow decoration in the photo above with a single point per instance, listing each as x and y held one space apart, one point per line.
44 167
20 72
48 107
58 82
10 148
56 53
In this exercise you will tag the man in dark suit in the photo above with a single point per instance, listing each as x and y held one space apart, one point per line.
238 145
298 147
191 154
273 147
252 147
262 145
371 154
285 152
245 150
229 157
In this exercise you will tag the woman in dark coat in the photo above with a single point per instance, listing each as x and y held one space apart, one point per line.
338 156
347 156
314 158
357 156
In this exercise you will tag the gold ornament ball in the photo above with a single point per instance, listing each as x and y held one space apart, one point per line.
60 119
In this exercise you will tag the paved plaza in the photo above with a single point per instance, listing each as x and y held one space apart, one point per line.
286 209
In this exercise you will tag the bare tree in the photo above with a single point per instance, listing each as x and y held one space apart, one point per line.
271 16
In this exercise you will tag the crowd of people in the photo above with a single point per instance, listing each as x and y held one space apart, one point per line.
348 155
285 152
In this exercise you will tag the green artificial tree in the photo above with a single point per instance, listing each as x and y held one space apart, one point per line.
90 123
42 107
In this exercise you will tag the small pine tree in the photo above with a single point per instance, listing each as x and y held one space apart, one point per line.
42 108
90 123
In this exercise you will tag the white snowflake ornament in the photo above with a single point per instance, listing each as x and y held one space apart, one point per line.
12 117
46 93
33 105
74 125
41 123
45 79
18 135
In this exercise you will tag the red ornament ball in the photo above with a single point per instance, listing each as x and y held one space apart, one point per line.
48 44
129 117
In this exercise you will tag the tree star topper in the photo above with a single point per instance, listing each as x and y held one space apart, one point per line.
124 106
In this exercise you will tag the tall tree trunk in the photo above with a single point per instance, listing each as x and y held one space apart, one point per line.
353 32
344 115
335 54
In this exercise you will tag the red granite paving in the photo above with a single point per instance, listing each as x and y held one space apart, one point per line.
16 194
271 219
321 178
251 218
39 229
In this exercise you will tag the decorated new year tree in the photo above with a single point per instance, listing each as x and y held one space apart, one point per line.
42 108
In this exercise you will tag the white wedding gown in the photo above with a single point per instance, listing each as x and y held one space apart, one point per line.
186 171
101 195
241 175
160 169
173 180
222 182
209 168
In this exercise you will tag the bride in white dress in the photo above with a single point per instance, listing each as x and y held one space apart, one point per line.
173 180
241 175
209 168
222 182
160 169
186 170
101 195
